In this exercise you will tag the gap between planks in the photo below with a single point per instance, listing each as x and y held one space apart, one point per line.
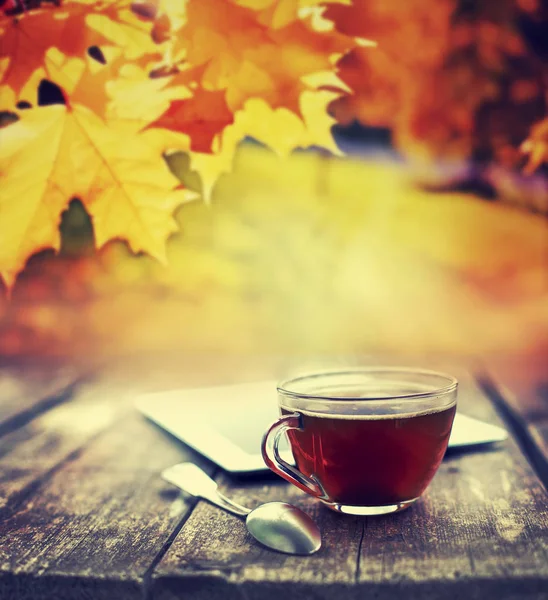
517 425
146 585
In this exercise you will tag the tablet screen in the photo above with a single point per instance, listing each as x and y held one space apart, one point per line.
226 424
244 429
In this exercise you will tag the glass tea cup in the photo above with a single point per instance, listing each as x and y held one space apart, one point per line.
365 441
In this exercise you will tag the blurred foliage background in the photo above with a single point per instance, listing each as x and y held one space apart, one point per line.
427 237
301 256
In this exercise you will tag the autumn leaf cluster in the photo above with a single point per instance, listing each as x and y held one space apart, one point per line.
95 94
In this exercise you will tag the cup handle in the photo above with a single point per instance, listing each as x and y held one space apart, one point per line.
276 463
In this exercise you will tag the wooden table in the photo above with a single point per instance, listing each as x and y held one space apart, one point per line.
85 515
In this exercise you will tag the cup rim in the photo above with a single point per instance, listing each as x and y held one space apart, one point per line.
451 386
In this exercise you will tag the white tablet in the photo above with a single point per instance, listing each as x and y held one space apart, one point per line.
226 423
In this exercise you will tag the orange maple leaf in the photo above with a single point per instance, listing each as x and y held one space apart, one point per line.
201 117
73 27
55 153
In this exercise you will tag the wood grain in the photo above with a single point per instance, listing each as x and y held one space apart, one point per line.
98 515
480 531
86 515
34 451
25 392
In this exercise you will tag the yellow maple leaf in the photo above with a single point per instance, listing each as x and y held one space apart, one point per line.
229 69
251 55
280 128
270 63
55 153
279 13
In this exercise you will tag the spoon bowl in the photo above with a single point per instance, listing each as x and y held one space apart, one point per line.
284 527
277 525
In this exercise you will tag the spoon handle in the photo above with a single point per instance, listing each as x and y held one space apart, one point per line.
192 480
222 501
232 506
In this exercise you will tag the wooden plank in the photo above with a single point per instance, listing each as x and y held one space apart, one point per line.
83 511
215 558
97 515
480 531
32 452
26 391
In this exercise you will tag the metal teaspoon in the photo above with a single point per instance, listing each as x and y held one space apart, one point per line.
277 525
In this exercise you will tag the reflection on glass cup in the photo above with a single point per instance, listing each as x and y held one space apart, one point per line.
365 441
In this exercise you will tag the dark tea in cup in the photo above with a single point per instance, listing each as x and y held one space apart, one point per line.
364 441
397 455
